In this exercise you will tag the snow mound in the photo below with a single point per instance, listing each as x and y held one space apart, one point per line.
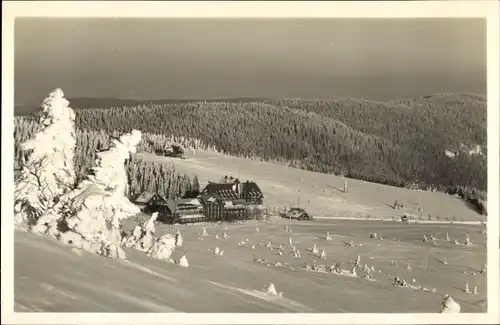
147 240
271 289
449 305
183 261
178 239
163 248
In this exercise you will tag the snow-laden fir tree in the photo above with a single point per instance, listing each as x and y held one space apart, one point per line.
47 171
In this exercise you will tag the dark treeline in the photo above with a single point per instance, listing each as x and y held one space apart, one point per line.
147 176
395 144
399 143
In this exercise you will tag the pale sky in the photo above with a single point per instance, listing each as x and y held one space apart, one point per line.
209 58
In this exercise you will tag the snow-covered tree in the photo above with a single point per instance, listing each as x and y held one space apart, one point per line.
99 202
47 172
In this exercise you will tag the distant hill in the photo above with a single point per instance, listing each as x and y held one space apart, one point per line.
102 102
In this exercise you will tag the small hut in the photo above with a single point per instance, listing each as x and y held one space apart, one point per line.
150 203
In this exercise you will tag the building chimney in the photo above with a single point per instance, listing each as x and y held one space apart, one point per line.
239 187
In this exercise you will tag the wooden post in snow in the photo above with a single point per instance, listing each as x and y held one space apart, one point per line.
345 184
298 199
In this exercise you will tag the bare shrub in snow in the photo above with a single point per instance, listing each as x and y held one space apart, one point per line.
466 289
400 282
337 268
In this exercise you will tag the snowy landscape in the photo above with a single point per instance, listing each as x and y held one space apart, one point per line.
94 218
392 195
